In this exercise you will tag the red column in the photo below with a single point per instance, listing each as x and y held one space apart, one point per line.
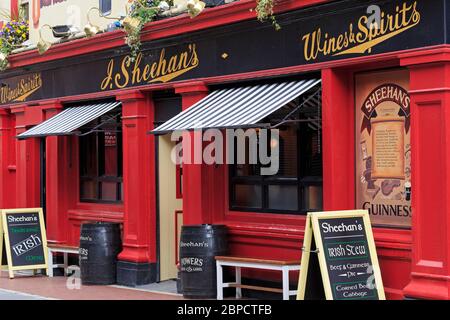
338 130
14 9
196 177
56 180
137 263
430 125
27 158
7 192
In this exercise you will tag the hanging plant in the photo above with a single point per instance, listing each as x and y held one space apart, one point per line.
141 12
264 11
12 35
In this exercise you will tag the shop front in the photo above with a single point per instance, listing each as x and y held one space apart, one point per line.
357 92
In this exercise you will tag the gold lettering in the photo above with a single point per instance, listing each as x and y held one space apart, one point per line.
136 77
121 80
163 70
365 37
107 82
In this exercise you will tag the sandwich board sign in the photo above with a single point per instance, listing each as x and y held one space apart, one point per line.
339 259
25 240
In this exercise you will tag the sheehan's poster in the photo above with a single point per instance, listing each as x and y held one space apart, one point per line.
383 147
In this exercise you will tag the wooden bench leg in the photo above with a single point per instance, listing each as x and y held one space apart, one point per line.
50 264
66 263
219 281
238 281
285 272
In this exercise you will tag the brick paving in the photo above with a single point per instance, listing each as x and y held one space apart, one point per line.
59 288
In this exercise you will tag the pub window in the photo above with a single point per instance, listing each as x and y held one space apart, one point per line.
101 160
25 9
297 186
105 7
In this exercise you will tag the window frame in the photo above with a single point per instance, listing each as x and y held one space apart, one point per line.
302 181
101 177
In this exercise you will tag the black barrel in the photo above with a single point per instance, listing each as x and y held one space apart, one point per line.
100 243
199 244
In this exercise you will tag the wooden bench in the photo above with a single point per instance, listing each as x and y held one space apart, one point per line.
285 266
59 248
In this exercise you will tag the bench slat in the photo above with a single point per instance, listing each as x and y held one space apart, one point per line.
254 260
267 289
61 246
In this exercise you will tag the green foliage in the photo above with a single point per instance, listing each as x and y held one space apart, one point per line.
141 12
264 11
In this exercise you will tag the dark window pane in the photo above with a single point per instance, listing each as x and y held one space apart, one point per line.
105 7
110 151
109 191
88 156
88 190
101 159
288 166
283 197
313 198
249 196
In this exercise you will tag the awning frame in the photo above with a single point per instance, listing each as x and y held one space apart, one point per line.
69 121
237 108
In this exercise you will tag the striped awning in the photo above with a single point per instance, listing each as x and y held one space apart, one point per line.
240 107
69 120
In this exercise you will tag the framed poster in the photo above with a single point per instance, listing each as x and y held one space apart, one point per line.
383 147
25 239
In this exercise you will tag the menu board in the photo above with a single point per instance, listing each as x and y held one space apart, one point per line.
383 147
345 249
25 239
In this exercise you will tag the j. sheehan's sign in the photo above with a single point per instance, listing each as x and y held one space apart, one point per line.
361 37
337 30
164 69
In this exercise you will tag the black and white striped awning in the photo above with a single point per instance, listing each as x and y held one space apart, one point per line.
241 107
69 120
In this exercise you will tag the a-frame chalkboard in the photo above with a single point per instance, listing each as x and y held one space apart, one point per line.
25 240
339 260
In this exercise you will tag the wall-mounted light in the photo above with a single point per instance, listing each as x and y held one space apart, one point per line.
43 45
195 7
91 29
61 31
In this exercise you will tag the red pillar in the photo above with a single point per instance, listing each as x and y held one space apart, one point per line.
430 114
27 158
14 9
196 177
56 180
338 130
137 263
7 168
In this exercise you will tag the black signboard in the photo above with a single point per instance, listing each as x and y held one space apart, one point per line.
343 244
25 239
333 31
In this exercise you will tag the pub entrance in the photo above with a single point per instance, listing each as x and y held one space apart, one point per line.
169 189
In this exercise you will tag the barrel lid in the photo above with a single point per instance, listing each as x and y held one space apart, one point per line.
204 226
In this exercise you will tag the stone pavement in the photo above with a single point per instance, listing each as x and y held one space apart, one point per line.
12 295
24 287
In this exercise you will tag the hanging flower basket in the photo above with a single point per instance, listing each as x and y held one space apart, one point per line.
12 35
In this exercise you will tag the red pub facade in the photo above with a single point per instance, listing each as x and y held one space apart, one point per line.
383 94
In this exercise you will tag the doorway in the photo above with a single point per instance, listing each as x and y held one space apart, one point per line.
170 208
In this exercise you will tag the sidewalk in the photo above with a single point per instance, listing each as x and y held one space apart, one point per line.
58 288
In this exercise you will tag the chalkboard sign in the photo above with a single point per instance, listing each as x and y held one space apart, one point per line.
343 244
25 239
